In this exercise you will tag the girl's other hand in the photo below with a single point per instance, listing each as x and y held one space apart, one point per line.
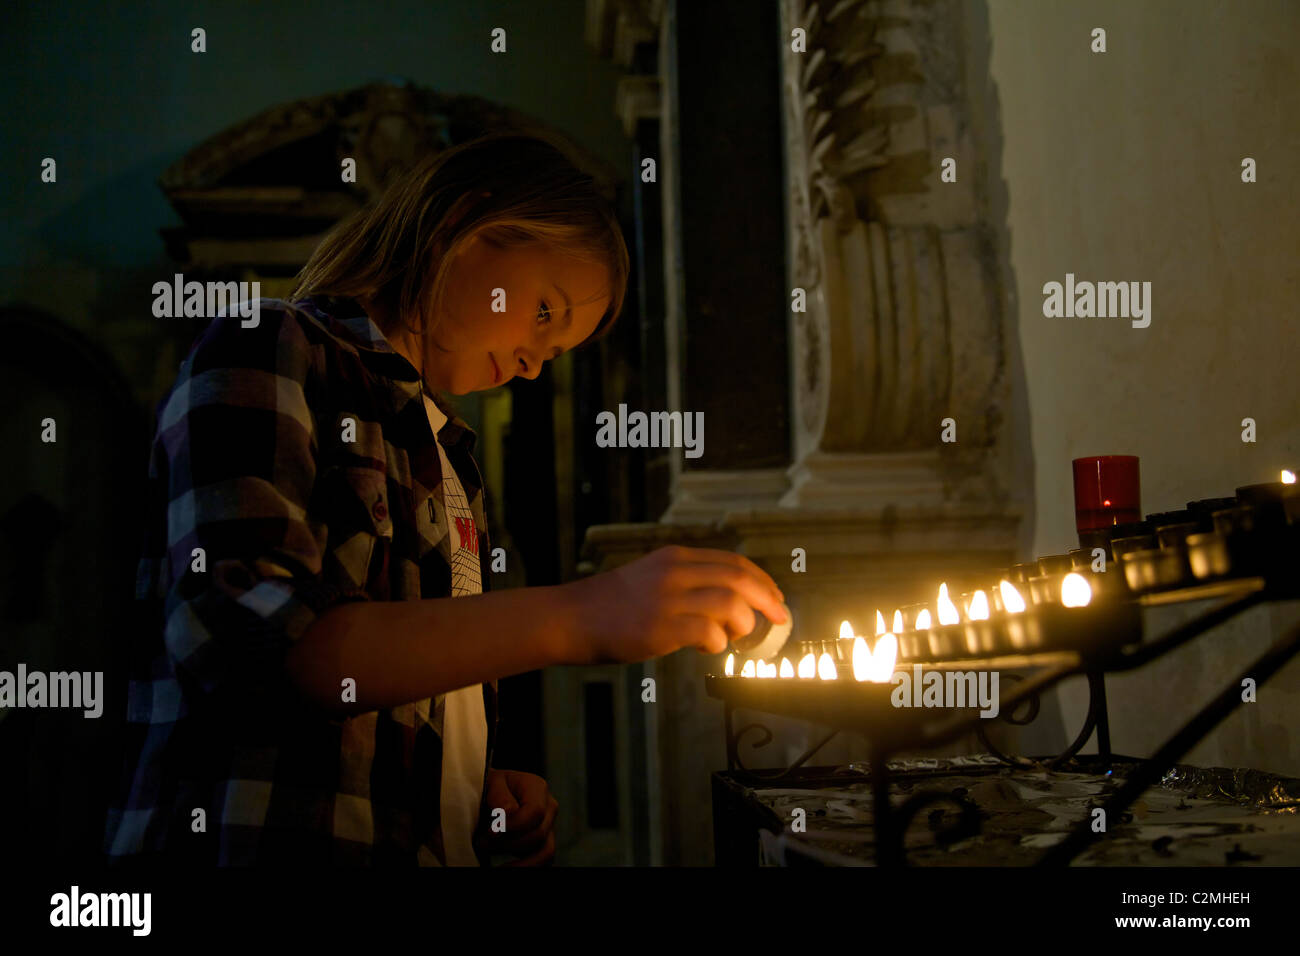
672 598
530 812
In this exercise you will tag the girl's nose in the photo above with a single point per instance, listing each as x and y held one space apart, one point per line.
529 368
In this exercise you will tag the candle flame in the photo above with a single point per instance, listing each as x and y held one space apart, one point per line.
808 665
878 666
883 658
1288 476
729 668
766 669
826 667
979 606
846 631
787 669
861 659
947 610
1075 590
1011 599
898 623
880 623
748 669
923 619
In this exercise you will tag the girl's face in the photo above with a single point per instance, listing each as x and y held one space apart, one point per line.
550 303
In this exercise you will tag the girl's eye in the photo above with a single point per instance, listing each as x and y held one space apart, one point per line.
543 314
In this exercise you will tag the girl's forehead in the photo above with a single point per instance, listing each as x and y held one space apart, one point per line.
553 261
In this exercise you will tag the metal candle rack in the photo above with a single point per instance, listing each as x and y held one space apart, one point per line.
1243 550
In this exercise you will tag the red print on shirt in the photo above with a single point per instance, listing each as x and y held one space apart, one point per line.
468 534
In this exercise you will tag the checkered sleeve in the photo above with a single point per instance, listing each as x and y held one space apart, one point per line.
244 550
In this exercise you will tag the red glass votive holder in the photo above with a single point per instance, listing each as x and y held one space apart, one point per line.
1107 491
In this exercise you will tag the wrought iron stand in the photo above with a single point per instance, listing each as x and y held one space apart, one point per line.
889 733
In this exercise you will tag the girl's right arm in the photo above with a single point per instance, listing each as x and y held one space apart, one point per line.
402 651
249 620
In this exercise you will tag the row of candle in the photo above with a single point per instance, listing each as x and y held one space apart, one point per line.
1050 587
877 665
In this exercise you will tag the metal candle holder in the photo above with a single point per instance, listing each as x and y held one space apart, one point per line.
1244 550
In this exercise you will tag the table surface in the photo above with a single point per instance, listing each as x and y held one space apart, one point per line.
1194 817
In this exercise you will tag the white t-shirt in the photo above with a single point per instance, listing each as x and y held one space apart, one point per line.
464 722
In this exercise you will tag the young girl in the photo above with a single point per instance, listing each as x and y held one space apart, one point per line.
315 675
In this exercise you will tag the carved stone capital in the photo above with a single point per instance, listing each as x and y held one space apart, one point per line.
901 327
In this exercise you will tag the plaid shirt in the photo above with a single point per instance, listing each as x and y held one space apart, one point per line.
250 463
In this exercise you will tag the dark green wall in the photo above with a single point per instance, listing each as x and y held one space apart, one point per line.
113 93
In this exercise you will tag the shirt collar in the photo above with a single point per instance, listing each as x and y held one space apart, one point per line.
345 320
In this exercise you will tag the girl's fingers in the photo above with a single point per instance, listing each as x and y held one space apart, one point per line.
731 559
702 632
721 605
525 818
693 575
540 817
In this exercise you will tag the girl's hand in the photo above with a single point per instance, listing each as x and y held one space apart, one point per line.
672 598
530 818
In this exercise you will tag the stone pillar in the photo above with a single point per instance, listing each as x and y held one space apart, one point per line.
902 326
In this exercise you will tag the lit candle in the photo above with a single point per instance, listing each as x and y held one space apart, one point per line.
980 636
898 623
1011 599
748 669
947 610
926 640
842 649
826 667
730 667
787 669
1022 629
880 623
883 658
845 639
808 665
875 666
1075 590
1288 476
861 659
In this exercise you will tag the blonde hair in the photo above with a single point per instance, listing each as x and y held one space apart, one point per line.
507 188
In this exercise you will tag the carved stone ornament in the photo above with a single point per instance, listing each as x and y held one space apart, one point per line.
891 287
